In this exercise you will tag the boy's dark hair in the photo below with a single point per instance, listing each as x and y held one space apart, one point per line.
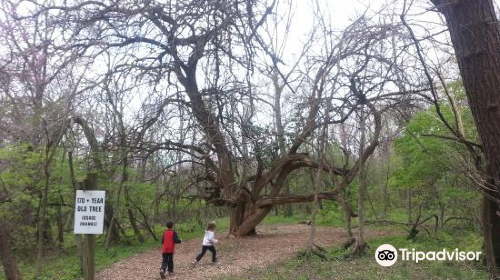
170 224
211 226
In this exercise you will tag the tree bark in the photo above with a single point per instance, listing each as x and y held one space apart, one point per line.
252 218
491 240
130 211
60 223
78 237
315 210
132 218
8 261
386 185
43 214
408 204
347 213
475 34
360 241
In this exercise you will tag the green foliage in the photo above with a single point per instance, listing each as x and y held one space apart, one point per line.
431 166
331 215
422 154
22 178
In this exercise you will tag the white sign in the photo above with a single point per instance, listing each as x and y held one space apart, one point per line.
89 212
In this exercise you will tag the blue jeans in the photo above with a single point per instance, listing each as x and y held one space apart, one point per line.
168 262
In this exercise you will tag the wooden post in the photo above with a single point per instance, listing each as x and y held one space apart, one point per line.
90 183
88 257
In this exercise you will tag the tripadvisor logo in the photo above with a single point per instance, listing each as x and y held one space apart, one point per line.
387 255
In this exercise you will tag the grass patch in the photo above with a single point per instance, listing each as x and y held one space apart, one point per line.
281 219
340 267
324 218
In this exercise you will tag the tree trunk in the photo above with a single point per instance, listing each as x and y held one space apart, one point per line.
442 209
112 231
288 207
8 261
43 214
132 219
236 217
386 185
475 35
312 233
141 177
408 194
360 241
60 224
344 201
78 237
252 217
130 212
280 131
491 242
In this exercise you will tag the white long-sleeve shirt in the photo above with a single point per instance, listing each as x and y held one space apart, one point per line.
209 238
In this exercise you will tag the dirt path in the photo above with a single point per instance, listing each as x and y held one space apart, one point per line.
236 256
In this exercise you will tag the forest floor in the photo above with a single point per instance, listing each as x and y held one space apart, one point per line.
273 243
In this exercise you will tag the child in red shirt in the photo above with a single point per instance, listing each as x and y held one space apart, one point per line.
168 240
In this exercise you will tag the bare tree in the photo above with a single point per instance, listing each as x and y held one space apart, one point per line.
195 52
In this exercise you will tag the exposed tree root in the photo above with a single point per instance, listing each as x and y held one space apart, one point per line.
316 250
348 243
412 234
358 250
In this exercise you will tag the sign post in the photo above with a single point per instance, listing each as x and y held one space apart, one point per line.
89 220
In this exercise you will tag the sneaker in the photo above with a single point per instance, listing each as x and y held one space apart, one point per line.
194 262
162 274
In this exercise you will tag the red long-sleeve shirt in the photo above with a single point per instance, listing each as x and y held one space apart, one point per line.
169 240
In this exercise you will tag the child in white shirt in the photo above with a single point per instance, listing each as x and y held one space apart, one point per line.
208 244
